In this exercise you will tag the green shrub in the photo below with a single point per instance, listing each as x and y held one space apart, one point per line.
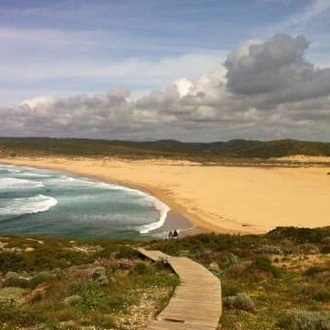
322 295
39 278
11 261
11 296
141 269
15 316
99 276
13 279
240 301
300 235
269 249
313 270
304 320
326 239
265 264
127 252
325 249
93 297
309 248
228 291
232 259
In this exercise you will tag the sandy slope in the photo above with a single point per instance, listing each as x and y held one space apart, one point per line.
223 199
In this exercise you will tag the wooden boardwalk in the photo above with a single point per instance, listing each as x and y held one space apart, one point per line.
196 303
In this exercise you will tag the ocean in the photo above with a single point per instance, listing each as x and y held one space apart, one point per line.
45 202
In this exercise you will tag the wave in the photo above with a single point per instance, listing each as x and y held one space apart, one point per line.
160 206
70 189
32 175
10 168
29 205
68 181
13 183
163 210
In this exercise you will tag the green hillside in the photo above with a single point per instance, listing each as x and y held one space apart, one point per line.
163 148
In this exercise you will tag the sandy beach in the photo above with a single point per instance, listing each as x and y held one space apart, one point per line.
215 198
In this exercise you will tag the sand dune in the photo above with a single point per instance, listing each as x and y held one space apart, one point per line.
222 199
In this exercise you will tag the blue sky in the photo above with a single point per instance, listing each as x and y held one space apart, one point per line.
55 51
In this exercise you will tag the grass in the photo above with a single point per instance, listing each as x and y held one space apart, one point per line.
271 281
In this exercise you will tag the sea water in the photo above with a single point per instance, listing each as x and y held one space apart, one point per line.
45 202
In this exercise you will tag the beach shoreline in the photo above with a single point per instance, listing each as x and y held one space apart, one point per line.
173 220
249 200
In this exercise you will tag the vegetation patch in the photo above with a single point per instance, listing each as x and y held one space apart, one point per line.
105 288
305 320
264 277
58 285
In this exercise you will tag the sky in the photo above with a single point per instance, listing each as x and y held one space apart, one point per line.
190 70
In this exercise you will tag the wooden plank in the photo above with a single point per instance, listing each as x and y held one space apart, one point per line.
196 303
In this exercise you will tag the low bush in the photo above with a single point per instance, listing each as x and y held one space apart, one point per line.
22 317
127 252
39 278
265 264
240 301
313 270
141 268
325 249
269 249
309 248
93 297
304 320
13 279
322 295
228 291
99 276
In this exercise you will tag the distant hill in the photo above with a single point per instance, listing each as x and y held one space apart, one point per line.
164 148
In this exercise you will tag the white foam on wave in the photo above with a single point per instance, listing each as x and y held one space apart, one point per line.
10 168
163 210
13 183
160 206
112 186
66 181
32 175
42 203
28 205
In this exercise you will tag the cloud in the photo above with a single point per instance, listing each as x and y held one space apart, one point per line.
266 89
276 70
38 101
56 61
312 10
